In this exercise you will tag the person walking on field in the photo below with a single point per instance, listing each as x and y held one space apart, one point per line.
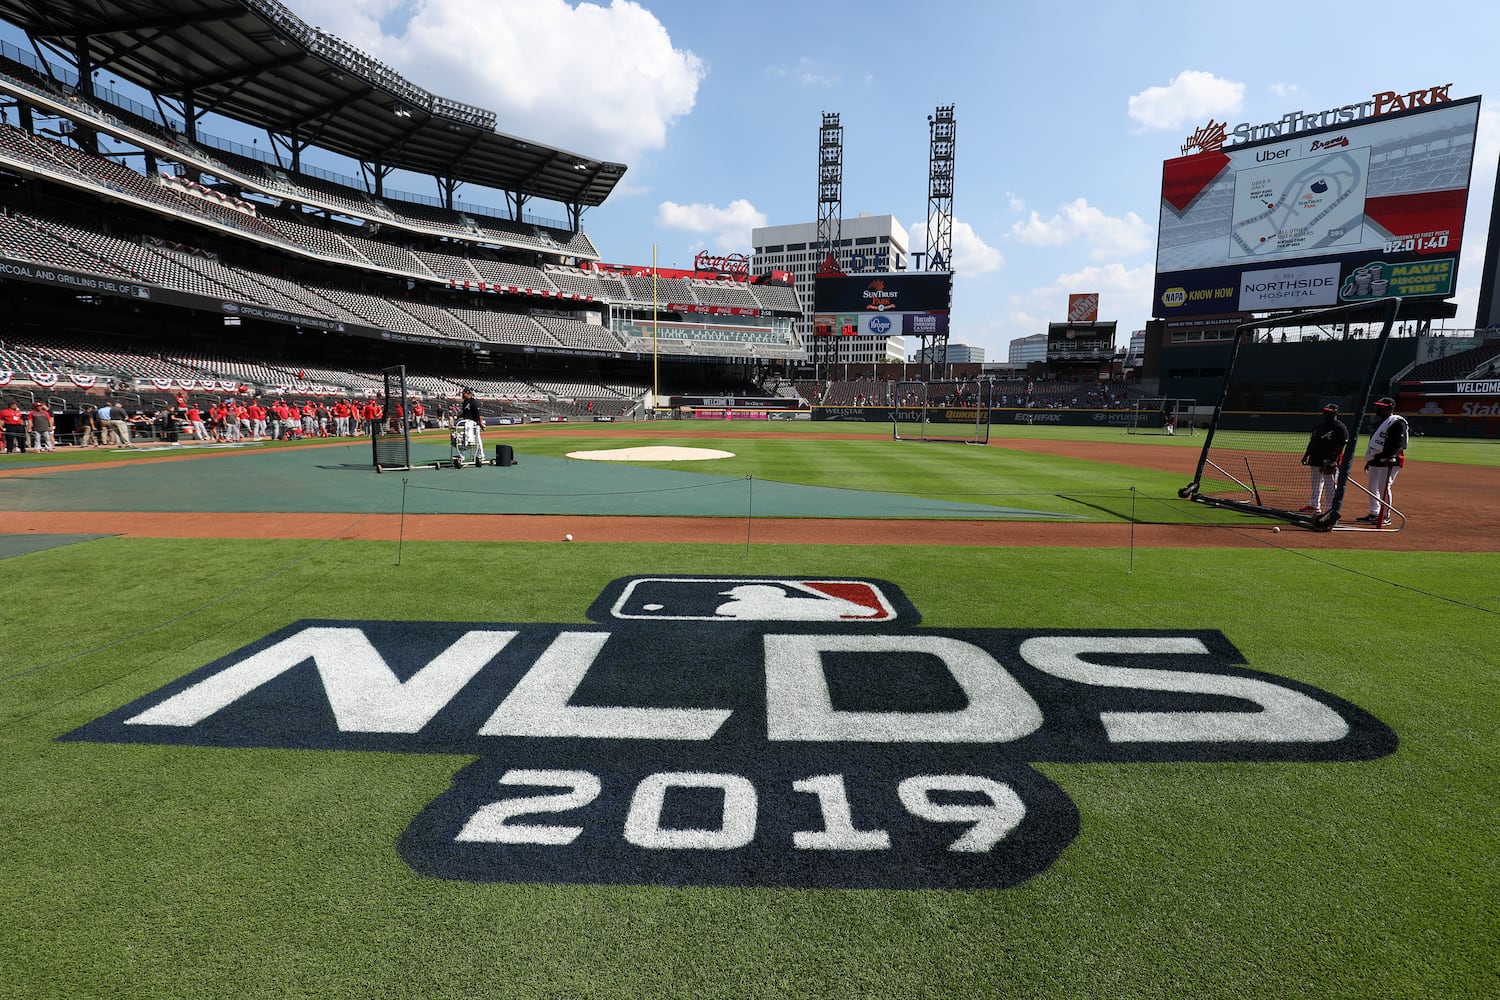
1385 456
40 436
1325 450
469 410
88 429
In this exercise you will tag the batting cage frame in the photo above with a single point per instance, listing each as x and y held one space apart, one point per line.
957 403
1226 474
390 436
1150 415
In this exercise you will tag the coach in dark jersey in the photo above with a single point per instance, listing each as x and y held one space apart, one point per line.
1325 449
469 410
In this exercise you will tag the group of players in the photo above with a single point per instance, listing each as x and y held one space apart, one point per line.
1385 455
236 420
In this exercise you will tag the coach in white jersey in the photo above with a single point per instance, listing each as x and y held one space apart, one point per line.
1385 455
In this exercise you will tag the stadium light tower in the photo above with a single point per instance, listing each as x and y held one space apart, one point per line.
942 131
830 220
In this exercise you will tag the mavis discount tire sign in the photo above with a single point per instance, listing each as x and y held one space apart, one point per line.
747 731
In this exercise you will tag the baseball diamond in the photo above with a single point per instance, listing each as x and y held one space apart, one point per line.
440 564
313 693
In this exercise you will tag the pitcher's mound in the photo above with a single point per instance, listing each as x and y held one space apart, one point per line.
652 454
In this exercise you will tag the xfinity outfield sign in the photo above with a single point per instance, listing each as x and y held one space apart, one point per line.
748 731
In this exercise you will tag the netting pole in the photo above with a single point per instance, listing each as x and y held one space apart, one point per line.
401 523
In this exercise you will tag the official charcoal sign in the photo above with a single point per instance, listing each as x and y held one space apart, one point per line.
749 732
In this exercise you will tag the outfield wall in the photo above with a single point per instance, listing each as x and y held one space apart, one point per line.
1424 420
968 415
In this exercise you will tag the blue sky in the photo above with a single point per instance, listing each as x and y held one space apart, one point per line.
1065 111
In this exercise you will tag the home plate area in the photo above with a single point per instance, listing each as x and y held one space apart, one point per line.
656 453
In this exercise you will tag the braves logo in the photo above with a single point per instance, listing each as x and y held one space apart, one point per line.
747 731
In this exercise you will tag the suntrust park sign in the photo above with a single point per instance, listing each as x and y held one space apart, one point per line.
1215 135
748 731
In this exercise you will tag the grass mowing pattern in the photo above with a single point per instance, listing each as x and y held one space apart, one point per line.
150 871
154 871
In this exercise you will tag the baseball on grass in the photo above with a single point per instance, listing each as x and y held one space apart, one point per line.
567 538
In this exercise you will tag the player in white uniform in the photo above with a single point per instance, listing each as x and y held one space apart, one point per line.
1385 455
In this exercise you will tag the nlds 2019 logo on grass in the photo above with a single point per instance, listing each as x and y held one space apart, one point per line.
748 731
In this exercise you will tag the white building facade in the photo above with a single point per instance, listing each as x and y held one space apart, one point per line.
867 243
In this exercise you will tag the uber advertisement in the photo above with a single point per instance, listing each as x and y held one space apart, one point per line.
749 731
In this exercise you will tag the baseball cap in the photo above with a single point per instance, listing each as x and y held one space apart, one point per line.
1331 408
1385 401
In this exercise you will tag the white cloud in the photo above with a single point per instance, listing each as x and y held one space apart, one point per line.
1124 293
806 72
1124 296
1106 235
1126 282
971 255
729 227
1190 99
1284 89
601 80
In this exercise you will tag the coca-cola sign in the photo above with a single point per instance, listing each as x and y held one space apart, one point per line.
735 263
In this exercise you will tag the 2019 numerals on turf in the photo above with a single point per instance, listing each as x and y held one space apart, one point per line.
997 811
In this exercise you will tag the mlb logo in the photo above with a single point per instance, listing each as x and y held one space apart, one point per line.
753 599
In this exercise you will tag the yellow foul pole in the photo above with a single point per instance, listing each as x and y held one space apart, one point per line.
655 376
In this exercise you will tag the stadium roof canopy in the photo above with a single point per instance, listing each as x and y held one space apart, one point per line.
257 62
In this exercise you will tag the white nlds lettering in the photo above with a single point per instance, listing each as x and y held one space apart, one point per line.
365 695
1285 715
363 691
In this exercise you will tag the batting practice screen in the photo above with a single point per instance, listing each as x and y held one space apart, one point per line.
1265 471
943 411
390 438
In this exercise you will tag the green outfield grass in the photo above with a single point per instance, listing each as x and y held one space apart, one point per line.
176 871
152 871
336 476
1463 451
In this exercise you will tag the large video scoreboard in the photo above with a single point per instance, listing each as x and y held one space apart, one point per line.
909 303
1359 210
